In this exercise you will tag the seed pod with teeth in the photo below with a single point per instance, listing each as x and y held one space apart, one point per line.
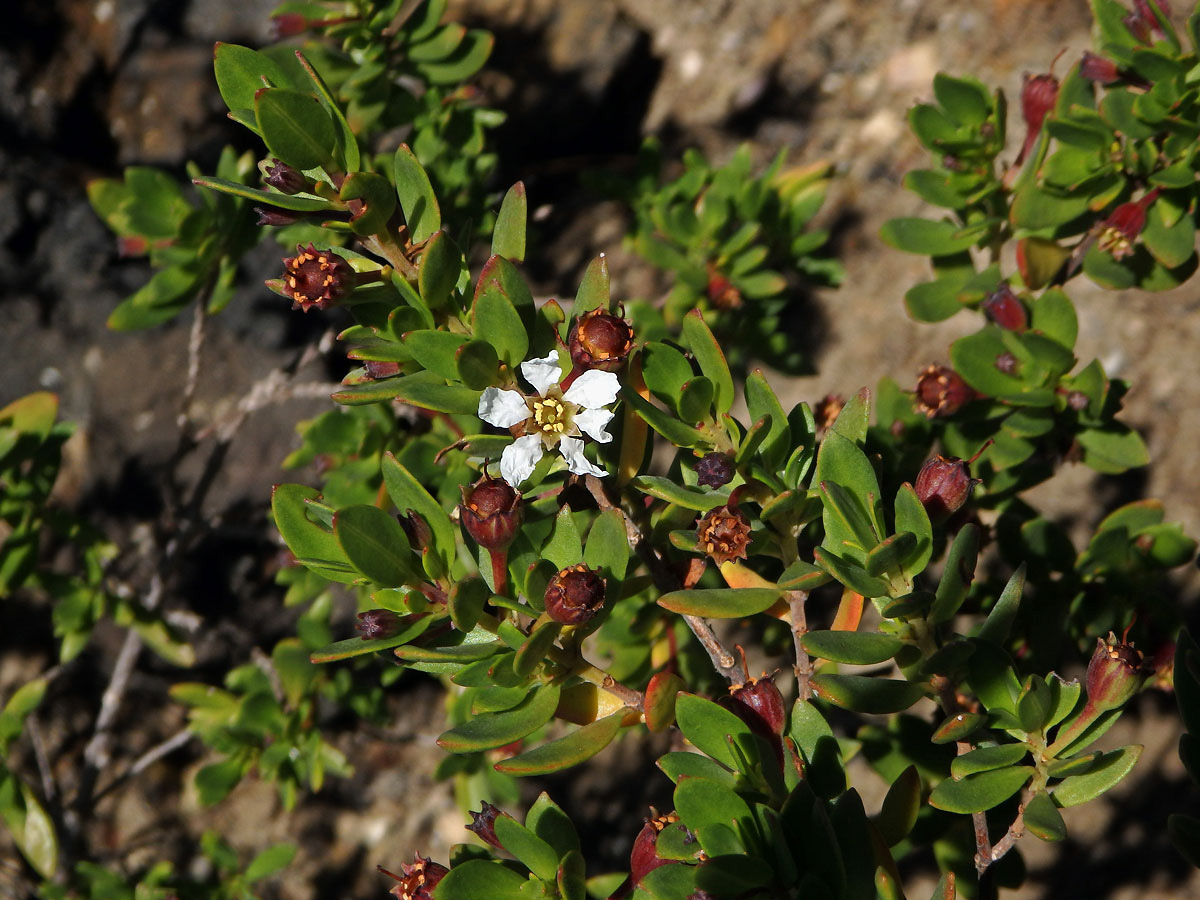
1114 674
715 470
317 278
941 392
574 595
483 824
600 340
724 534
419 879
644 858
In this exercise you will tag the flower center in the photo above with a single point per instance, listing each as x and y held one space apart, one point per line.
550 415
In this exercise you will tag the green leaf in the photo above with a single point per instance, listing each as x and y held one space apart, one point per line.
673 492
607 546
508 237
240 72
858 648
985 759
305 538
1054 316
493 730
435 350
495 319
900 807
594 289
761 402
441 265
912 517
665 371
889 554
927 237
481 879
665 424
478 365
981 792
32 830
534 650
408 493
216 780
538 856
347 142
965 99
852 575
571 750
472 52
356 646
957 575
684 764
1104 774
695 399
852 521
1042 818
551 824
565 548
295 202
999 622
375 545
660 697
1113 449
295 127
709 727
417 200
270 861
720 603
862 693
711 359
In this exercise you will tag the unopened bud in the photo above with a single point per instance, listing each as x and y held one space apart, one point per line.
284 178
759 704
600 340
416 529
378 624
644 858
419 879
491 512
941 392
1098 69
317 278
287 25
277 218
721 291
574 595
724 534
827 410
1114 674
1006 362
1038 95
943 486
1005 308
715 470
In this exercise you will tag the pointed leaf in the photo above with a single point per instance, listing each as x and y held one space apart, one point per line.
493 730
375 545
978 793
570 750
508 236
1104 774
858 648
720 603
417 200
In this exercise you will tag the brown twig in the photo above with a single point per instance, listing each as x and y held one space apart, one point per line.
194 350
147 759
804 663
983 842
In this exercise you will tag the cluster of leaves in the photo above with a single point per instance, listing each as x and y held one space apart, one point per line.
364 68
741 247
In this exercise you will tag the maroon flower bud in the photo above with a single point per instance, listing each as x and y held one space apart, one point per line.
1098 69
287 25
317 278
483 824
943 486
724 533
1077 400
275 218
715 470
1114 674
600 340
644 859
759 704
721 291
416 529
1038 95
1006 362
132 245
376 369
1005 308
941 392
418 880
1119 232
284 178
491 512
377 624
574 595
828 409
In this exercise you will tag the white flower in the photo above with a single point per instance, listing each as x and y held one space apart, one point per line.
551 418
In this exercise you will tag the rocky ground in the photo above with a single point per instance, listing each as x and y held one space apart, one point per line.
88 86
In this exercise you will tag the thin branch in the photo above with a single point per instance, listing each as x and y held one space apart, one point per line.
195 350
98 752
1014 833
804 663
983 841
722 659
147 759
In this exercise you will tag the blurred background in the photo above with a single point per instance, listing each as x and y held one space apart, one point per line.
90 86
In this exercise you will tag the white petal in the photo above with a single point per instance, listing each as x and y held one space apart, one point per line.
593 389
592 422
502 408
519 458
542 373
577 464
